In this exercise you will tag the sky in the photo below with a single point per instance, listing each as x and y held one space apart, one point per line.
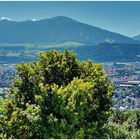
120 17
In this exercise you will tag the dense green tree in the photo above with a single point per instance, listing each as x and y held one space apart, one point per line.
57 97
1 101
124 124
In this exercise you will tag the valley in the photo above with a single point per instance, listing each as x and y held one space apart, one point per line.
69 70
119 55
124 76
105 52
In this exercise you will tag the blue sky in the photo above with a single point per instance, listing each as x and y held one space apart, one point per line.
120 17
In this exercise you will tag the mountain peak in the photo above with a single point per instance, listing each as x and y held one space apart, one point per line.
57 29
62 18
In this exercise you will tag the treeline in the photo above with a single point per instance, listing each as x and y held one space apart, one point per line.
106 52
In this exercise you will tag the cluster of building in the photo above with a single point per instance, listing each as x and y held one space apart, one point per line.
126 79
7 71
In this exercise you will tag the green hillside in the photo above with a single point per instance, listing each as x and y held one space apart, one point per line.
107 52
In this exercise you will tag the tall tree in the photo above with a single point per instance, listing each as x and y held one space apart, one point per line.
57 97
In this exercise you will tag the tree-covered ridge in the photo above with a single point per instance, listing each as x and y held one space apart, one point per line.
105 52
57 97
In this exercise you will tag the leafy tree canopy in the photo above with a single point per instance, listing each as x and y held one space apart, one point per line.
124 124
57 97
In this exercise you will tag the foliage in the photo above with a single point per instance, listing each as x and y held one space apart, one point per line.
57 97
124 125
1 101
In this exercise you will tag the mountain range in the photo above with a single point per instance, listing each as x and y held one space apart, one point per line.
21 41
137 37
56 30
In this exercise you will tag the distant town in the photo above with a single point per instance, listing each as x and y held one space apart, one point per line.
124 76
126 80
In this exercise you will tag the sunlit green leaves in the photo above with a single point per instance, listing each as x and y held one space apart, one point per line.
57 97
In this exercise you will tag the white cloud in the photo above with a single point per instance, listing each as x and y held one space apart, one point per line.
3 18
33 19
